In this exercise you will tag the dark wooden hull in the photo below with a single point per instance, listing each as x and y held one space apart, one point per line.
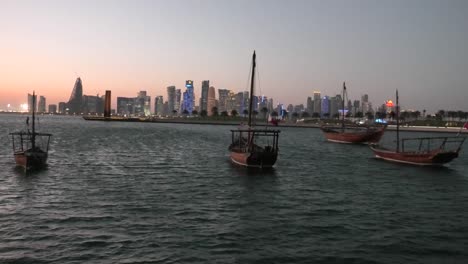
31 160
262 159
427 158
353 135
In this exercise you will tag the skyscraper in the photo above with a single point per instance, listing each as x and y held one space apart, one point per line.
364 103
41 108
177 100
189 97
204 96
223 95
142 104
310 105
325 107
159 106
76 98
171 99
125 106
31 102
211 100
317 102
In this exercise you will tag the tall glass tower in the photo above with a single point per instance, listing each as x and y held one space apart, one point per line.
189 97
76 98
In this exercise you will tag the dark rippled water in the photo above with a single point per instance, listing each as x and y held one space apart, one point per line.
167 193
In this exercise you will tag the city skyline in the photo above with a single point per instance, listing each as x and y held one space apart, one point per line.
302 46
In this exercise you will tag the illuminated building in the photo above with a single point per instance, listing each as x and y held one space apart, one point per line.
142 104
125 106
223 97
188 103
325 107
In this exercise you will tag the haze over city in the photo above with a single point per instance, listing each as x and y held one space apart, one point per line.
417 47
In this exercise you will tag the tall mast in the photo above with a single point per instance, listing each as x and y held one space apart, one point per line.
343 104
33 138
252 89
397 123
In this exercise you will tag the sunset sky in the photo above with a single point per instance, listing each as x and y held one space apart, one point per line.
419 47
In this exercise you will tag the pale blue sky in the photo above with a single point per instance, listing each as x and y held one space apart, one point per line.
419 47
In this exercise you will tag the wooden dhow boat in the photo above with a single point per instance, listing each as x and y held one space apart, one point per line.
251 147
31 148
423 151
352 133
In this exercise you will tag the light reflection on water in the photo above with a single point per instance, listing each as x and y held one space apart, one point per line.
135 192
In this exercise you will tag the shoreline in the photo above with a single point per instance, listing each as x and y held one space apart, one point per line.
293 125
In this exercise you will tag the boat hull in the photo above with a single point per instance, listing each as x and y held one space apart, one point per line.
431 158
255 159
31 160
350 136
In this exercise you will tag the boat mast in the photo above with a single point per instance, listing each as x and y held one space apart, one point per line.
33 137
251 90
343 105
397 123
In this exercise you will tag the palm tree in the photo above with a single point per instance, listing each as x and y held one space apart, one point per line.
224 113
194 112
424 113
245 112
203 113
305 114
185 112
174 112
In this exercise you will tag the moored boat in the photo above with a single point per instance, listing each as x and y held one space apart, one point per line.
423 151
31 148
346 133
251 147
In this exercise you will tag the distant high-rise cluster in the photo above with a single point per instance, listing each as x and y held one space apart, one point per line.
81 104
228 102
